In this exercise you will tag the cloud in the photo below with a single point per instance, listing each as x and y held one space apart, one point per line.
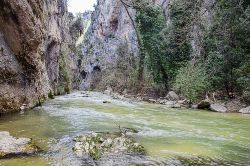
76 6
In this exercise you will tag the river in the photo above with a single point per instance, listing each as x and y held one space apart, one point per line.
164 132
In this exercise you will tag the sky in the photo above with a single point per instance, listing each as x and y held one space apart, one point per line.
76 6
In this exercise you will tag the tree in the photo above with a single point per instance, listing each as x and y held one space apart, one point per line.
227 45
151 22
167 45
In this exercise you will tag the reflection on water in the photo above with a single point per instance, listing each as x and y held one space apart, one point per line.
164 132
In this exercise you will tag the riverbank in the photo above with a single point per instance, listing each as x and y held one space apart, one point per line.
173 100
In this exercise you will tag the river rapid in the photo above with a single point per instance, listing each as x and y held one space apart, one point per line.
164 132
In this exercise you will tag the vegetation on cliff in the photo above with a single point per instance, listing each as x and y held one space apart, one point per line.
224 56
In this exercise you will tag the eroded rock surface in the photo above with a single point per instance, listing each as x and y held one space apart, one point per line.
34 51
12 147
96 145
112 31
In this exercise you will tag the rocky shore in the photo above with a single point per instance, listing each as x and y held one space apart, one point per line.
172 100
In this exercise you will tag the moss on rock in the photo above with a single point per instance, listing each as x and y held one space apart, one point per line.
96 144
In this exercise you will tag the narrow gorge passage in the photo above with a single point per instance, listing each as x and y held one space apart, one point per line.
164 132
124 82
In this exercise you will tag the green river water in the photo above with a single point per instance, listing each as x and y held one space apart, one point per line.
164 132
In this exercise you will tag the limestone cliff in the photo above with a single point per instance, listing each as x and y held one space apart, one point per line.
34 56
112 28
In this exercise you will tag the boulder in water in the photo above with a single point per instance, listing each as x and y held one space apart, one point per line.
96 144
12 147
245 110
218 108
176 105
234 105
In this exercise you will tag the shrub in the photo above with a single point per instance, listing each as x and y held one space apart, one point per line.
191 80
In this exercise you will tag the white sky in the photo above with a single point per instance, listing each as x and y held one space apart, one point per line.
76 6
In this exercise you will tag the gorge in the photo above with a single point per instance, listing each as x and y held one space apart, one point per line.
162 69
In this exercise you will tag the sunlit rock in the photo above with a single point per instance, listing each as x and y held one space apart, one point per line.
12 147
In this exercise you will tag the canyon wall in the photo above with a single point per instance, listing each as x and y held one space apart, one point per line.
112 28
35 55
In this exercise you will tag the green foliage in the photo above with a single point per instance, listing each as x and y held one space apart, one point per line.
167 47
227 50
191 80
151 22
76 28
95 153
64 77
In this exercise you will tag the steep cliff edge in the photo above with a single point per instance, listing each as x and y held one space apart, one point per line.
35 58
111 31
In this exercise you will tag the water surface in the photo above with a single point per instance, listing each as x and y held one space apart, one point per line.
164 132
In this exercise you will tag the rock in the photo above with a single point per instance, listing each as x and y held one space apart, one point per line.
117 96
194 106
34 38
128 130
162 101
204 104
170 104
172 96
96 144
151 100
108 91
12 147
218 108
139 98
234 105
85 95
245 110
176 105
184 103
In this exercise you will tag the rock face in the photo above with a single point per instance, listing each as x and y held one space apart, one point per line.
112 30
34 51
11 146
218 108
